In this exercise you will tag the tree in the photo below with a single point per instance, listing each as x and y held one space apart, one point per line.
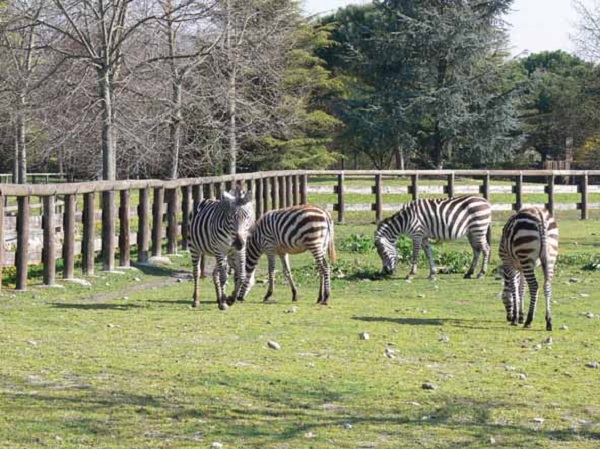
20 76
561 104
426 75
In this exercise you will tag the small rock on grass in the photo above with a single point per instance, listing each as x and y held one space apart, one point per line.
428 386
216 445
592 365
364 335
274 345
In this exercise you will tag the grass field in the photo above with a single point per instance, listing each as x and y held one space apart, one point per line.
127 363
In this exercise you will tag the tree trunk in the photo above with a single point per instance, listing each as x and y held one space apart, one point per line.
399 156
231 94
175 130
21 149
108 148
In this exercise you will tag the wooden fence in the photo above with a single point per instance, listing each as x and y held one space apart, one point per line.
160 217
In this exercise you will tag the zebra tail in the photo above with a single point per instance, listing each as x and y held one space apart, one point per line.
543 241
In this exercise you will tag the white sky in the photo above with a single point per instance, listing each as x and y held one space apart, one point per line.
536 25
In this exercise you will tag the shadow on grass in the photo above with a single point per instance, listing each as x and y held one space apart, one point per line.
470 324
94 306
277 412
155 270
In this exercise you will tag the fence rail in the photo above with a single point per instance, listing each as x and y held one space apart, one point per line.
159 216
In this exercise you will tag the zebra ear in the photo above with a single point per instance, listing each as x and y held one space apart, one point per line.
226 196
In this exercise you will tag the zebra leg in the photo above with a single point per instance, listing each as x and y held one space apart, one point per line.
285 261
271 267
476 252
487 251
219 278
196 276
202 266
325 279
415 257
548 273
533 292
521 298
509 294
429 254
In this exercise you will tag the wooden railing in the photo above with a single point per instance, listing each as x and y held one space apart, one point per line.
163 208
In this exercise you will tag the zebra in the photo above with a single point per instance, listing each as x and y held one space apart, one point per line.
442 219
291 230
530 237
219 228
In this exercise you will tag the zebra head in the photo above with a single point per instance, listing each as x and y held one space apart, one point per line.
242 214
385 241
386 248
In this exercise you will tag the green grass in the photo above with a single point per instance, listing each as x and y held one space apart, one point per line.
128 363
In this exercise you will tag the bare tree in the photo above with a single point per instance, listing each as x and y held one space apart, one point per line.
18 40
587 36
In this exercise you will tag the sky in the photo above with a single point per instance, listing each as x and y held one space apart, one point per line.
535 25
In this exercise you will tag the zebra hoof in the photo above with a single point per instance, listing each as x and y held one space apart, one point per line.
223 306
468 276
548 326
480 275
432 277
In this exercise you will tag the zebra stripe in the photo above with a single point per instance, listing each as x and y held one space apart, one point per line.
529 238
219 228
287 231
440 219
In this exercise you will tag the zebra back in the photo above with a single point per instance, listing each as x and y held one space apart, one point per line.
438 218
292 230
530 235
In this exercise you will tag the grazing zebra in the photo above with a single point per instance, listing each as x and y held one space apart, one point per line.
530 237
440 219
219 228
292 230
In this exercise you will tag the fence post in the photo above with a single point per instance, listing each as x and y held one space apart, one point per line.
340 206
415 187
583 188
172 227
518 190
485 188
550 190
296 190
258 198
281 182
108 230
68 250
1 238
303 189
209 190
186 207
274 192
89 232
450 187
49 251
22 242
143 235
197 194
378 197
124 228
288 191
266 194
157 214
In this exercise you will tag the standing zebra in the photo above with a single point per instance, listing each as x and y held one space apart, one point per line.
219 228
292 230
443 219
530 237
